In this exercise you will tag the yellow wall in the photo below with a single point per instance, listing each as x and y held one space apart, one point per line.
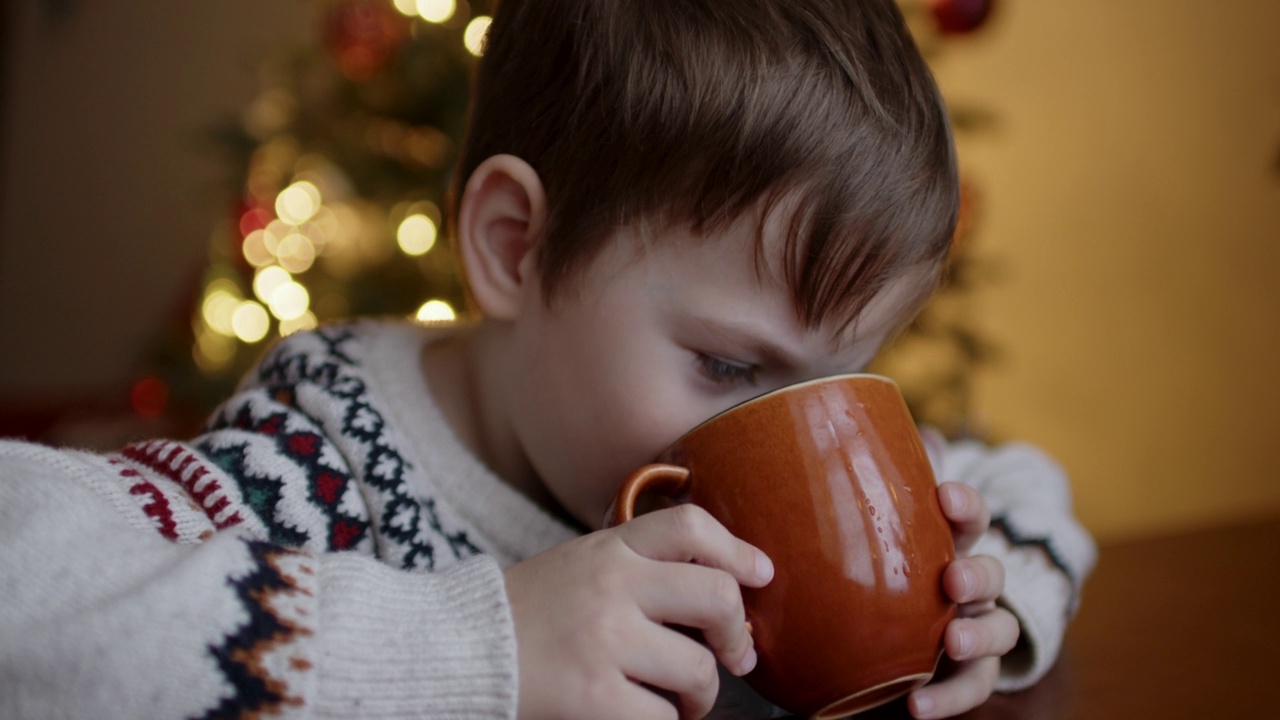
1130 196
109 184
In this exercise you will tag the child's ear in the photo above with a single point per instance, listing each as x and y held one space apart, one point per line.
502 212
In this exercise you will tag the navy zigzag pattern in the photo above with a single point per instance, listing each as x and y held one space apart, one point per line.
326 485
403 517
261 492
239 655
1001 524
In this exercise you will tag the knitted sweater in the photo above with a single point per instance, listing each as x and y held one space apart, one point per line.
327 547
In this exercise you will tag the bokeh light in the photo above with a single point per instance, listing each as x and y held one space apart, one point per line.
296 253
436 11
250 322
268 280
149 397
255 249
254 219
436 311
221 298
473 37
416 235
289 301
298 202
273 233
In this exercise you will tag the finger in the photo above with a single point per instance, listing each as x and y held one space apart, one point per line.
966 511
687 533
968 688
976 579
705 599
990 635
676 667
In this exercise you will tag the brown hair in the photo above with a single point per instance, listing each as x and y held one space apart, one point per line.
671 111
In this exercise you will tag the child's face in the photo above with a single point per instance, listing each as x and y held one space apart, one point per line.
648 345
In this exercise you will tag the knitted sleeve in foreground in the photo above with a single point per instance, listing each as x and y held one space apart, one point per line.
202 579
1046 553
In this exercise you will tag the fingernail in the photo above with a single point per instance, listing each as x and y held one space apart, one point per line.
924 704
764 567
964 640
748 662
958 499
968 582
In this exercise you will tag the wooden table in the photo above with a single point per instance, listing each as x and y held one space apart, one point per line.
1186 626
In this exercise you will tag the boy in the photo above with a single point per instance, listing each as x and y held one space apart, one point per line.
663 209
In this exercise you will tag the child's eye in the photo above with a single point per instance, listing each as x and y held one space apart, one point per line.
726 372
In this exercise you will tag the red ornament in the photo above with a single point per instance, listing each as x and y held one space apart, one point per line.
149 397
253 218
363 35
957 17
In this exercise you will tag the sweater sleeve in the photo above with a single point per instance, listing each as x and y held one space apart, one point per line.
264 568
1046 553
103 620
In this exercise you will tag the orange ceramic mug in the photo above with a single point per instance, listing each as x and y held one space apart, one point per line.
830 479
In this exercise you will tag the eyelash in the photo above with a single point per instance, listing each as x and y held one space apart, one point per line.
726 373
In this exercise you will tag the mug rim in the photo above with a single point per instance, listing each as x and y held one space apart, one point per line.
785 389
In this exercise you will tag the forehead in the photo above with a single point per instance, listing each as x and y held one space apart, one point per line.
880 306
738 273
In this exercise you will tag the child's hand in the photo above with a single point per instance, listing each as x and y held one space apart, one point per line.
591 618
981 632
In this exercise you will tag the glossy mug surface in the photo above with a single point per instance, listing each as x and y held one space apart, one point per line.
831 480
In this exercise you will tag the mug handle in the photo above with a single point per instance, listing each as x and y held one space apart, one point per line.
669 480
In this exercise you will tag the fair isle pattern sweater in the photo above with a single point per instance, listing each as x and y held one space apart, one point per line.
326 547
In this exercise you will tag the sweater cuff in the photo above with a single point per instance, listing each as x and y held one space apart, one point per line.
1039 595
400 644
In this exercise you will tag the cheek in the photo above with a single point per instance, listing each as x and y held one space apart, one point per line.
629 426
616 428
606 391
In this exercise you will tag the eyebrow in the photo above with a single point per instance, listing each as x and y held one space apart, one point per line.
744 336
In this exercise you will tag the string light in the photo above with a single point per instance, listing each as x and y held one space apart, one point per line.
289 301
296 253
298 202
221 298
436 11
286 243
436 311
250 322
474 36
416 235
255 249
254 219
268 280
273 233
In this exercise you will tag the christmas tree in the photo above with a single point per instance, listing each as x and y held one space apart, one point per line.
343 161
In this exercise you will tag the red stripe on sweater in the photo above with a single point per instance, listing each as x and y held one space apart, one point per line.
157 508
173 465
